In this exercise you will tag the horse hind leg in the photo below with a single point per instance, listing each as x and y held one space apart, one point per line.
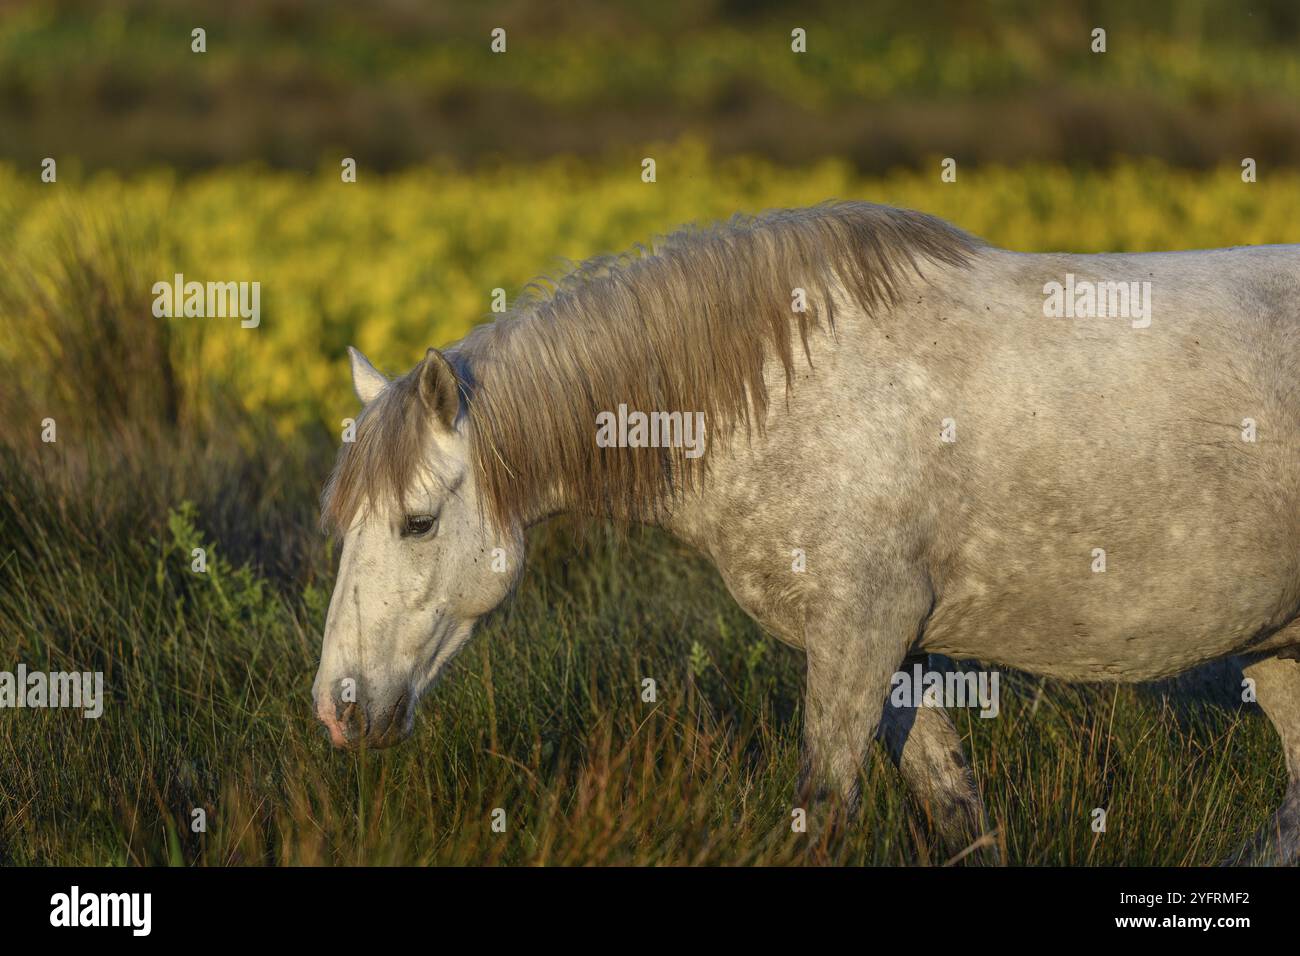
926 748
1277 688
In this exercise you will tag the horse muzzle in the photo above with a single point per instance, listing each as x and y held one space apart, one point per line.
365 722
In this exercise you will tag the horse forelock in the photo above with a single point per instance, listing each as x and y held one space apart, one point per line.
378 466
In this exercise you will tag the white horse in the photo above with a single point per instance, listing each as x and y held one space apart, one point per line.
1082 466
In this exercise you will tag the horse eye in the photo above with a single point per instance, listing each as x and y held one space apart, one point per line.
417 526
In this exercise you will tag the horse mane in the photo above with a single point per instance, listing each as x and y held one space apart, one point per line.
684 325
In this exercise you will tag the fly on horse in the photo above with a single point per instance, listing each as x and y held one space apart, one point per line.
962 466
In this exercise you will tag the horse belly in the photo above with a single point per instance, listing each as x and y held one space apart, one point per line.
1172 586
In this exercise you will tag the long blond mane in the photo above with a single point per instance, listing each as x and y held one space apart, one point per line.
685 325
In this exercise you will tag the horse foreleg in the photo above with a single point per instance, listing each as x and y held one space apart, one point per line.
851 659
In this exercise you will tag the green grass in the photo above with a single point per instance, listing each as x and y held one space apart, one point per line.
209 678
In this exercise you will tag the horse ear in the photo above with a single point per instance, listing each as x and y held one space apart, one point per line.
439 388
367 382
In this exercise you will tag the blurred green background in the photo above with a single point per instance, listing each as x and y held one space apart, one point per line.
886 82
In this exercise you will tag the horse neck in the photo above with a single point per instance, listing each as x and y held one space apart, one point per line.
482 352
680 516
